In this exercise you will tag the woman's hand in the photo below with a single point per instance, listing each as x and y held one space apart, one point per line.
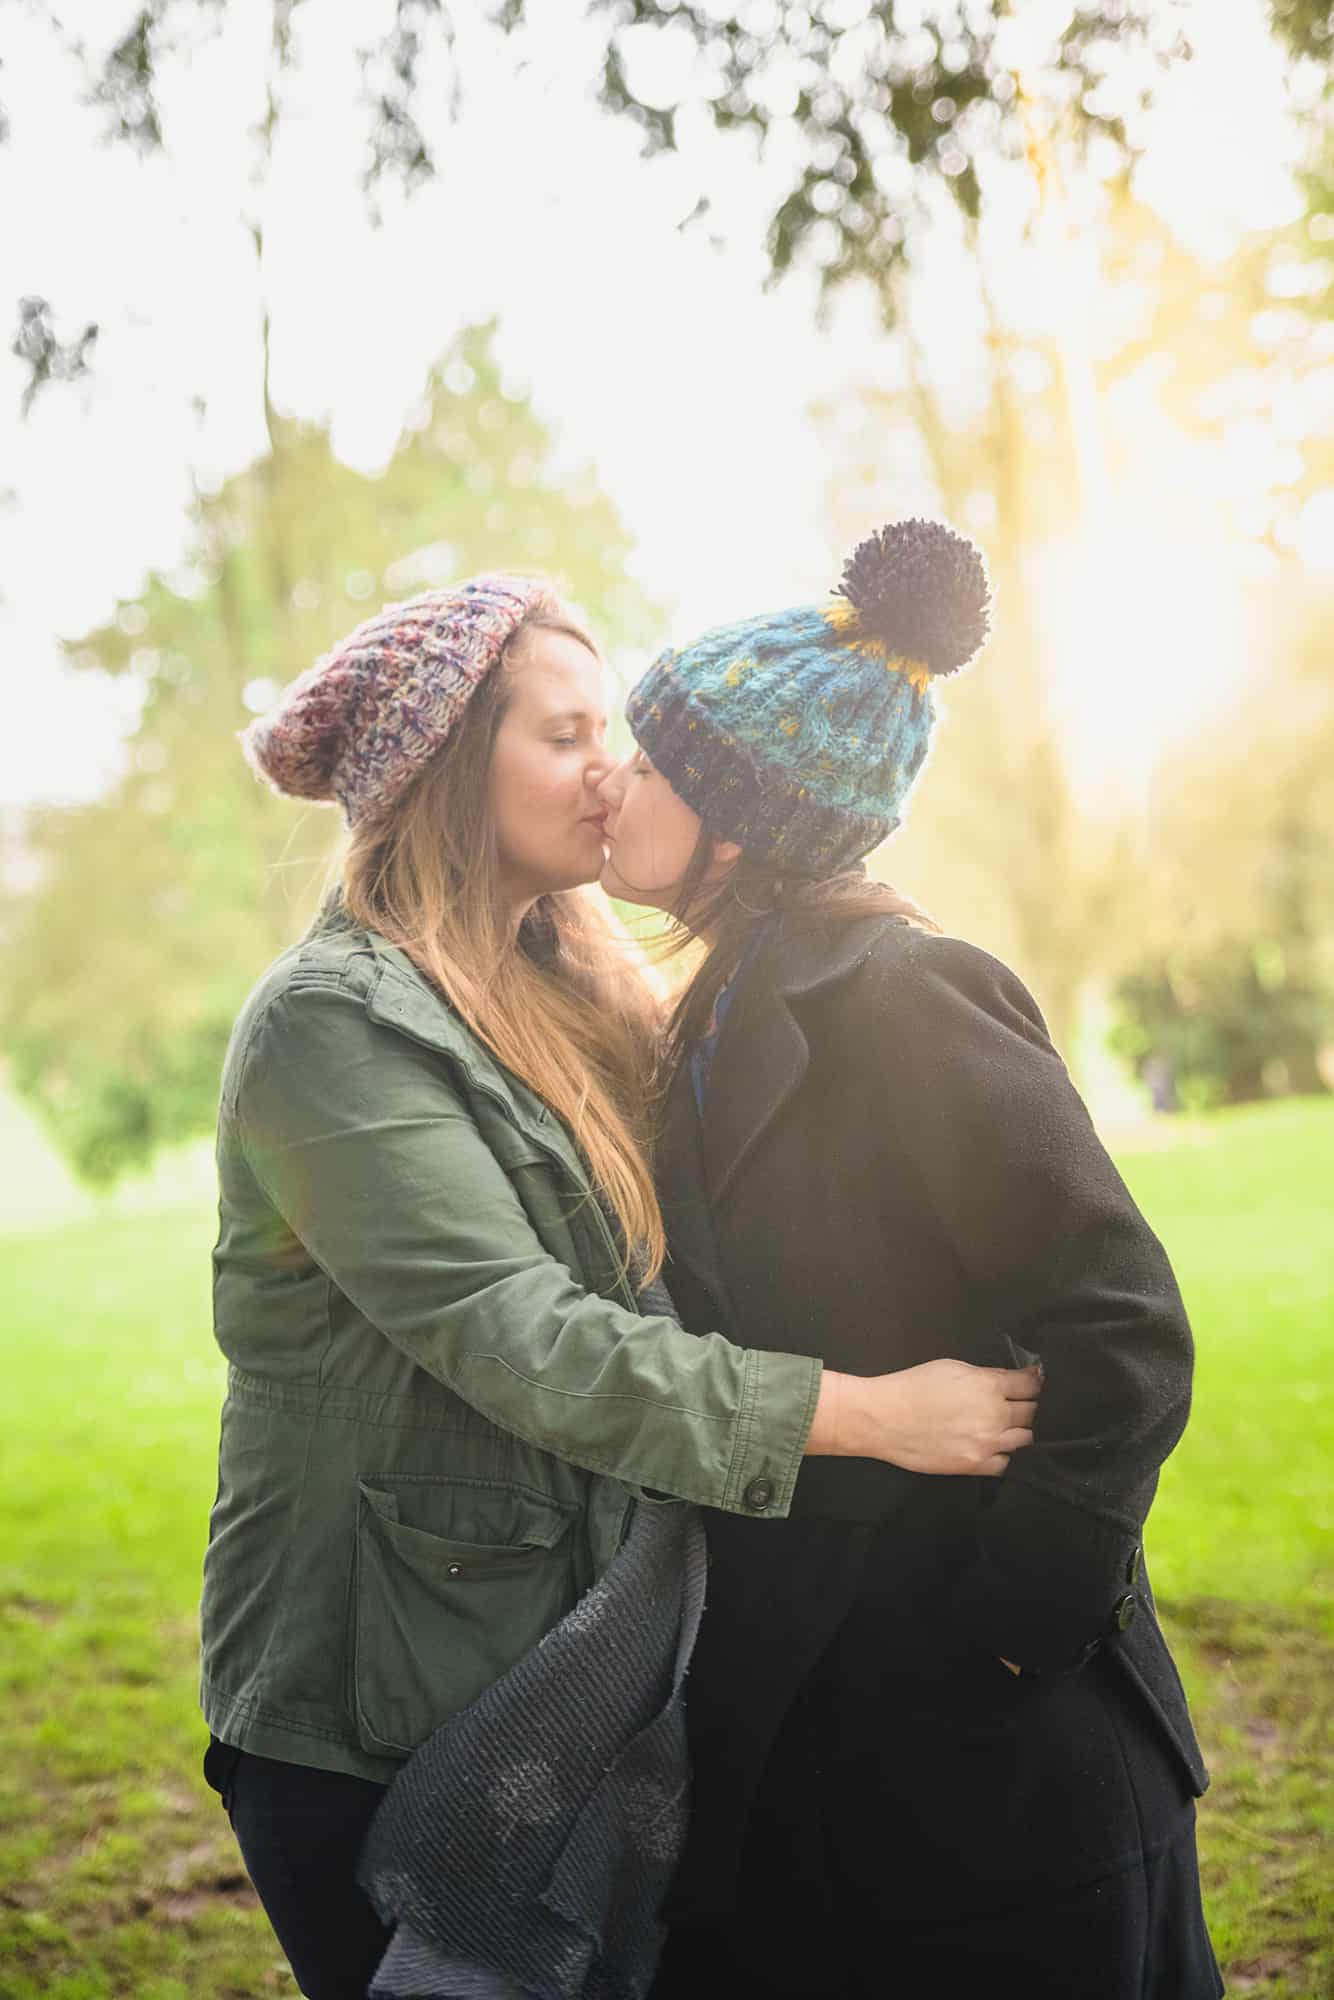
943 1417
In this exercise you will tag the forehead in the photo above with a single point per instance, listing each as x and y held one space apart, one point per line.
555 674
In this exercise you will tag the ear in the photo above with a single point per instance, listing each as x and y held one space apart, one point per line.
726 853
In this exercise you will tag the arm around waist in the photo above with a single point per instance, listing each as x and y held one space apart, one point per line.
363 1142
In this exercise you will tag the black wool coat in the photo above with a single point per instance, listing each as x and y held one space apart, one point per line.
893 1166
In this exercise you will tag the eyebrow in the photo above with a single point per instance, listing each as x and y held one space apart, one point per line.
574 715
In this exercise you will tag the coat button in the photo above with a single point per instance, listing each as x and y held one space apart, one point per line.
1134 1564
454 1569
758 1495
1123 1613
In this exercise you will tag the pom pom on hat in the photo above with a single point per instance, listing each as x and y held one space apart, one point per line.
922 590
296 745
800 734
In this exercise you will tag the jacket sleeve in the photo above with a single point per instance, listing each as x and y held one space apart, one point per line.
986 1120
363 1145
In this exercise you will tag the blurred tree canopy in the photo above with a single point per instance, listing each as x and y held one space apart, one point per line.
877 107
872 105
1230 985
155 907
997 840
1207 911
1306 27
1212 918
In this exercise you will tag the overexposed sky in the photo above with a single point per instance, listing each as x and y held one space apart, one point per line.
651 352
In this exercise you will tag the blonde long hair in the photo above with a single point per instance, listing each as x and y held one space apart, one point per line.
562 1007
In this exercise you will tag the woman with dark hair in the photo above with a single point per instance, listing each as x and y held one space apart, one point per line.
448 1382
939 1744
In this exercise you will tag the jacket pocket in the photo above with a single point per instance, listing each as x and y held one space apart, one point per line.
1143 1657
447 1601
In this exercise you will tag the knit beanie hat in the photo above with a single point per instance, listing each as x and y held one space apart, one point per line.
799 734
363 721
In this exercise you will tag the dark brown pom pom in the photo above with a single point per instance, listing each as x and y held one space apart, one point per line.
923 590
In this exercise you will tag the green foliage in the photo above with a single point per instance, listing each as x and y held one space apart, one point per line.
117 1871
1232 980
156 907
122 80
930 89
1305 26
1228 1028
44 354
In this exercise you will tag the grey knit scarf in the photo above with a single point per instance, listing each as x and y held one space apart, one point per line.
524 1850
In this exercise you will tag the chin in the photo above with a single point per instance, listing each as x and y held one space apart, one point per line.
574 877
612 885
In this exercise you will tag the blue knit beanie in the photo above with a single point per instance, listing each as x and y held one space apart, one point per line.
799 734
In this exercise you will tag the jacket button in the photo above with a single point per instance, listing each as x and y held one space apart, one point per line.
454 1569
1134 1564
1123 1613
758 1495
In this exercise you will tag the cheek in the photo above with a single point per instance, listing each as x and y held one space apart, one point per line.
526 781
656 833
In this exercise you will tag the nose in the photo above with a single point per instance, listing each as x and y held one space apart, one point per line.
611 789
597 762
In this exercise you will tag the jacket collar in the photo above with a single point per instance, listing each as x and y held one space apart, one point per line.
398 996
762 1051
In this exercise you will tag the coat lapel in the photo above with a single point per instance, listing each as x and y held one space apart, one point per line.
680 1176
762 1051
762 1057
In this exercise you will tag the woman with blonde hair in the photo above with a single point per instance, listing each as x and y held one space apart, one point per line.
447 1384
939 1743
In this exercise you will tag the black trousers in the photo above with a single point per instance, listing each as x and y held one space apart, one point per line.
300 1832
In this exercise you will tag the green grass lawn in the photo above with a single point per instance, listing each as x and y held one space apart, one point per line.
117 1872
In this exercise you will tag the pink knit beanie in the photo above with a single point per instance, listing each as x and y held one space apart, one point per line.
364 720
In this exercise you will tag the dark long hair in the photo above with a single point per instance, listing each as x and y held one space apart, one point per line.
728 912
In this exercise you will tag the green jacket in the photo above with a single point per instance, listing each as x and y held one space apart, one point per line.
441 1398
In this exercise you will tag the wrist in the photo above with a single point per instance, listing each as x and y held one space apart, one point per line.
841 1428
827 1426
